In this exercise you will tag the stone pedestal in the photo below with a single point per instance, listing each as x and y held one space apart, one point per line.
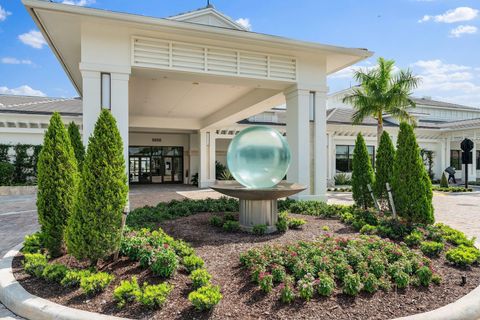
255 212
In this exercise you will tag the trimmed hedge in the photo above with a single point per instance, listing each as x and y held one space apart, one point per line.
362 174
384 165
21 167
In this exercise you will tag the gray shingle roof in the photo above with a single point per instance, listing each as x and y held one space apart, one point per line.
441 104
39 105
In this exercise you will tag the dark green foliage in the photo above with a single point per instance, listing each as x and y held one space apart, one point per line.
95 282
463 255
342 179
444 181
216 221
352 284
259 229
362 174
287 294
219 169
424 275
34 264
412 189
76 140
33 243
325 285
4 156
34 160
54 272
6 173
164 263
95 228
231 226
22 163
384 165
265 281
57 185
370 283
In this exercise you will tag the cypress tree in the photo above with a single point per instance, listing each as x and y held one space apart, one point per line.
76 140
412 188
384 165
95 228
362 174
57 183
444 181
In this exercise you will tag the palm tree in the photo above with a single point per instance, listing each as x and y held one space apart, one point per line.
383 91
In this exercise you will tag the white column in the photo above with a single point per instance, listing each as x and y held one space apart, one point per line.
331 155
119 108
212 156
320 146
298 136
204 180
90 101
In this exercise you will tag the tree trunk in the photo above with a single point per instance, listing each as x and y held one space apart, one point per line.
379 128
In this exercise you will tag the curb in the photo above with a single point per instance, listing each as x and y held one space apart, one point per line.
28 306
17 190
22 303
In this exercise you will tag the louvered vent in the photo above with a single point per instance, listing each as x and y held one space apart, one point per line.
171 55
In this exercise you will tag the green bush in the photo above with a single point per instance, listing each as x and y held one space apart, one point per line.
306 287
368 229
431 248
34 264
6 173
265 280
352 284
278 273
77 145
216 221
95 228
231 226
206 297
282 223
192 262
412 188
444 181
424 275
362 174
200 278
287 294
342 179
259 229
95 282
164 263
32 243
384 165
126 292
73 277
370 283
414 238
401 279
454 236
57 184
463 255
154 296
54 272
325 285
296 223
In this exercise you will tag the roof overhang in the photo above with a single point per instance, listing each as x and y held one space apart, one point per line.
61 24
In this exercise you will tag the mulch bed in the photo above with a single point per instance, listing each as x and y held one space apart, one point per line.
243 299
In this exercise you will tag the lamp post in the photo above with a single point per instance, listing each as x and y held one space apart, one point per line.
467 158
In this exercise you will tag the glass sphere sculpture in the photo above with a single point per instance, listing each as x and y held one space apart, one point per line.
258 157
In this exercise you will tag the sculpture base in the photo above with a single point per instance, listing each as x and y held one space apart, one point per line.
255 212
258 206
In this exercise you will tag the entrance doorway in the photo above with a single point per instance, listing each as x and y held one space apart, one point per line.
156 165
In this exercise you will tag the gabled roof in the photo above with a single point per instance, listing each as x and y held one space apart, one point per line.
40 105
208 16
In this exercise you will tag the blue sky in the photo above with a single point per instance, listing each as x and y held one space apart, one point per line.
438 39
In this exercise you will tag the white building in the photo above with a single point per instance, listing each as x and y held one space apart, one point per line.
181 87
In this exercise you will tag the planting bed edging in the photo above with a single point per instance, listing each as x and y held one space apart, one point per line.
26 305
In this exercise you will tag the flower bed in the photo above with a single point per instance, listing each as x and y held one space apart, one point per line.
325 269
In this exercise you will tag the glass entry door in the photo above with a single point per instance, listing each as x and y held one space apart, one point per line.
156 165
140 170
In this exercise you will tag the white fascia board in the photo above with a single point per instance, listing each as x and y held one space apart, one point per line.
259 38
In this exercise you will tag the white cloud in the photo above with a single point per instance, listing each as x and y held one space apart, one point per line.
4 14
80 3
461 30
244 22
10 60
450 82
451 16
33 39
22 90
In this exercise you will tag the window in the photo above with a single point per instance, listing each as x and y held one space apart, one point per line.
478 160
106 91
344 157
456 159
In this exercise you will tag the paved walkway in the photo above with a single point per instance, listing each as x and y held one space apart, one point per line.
18 215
